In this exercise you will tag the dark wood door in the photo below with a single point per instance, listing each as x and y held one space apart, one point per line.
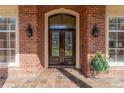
61 47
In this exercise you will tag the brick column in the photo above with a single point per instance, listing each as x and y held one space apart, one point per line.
92 15
29 52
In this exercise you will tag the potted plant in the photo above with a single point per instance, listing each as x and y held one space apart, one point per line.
99 63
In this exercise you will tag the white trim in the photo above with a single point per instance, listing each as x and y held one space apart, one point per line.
116 64
68 11
17 40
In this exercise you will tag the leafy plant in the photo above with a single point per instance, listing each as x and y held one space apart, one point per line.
99 63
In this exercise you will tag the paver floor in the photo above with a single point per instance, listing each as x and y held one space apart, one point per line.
60 78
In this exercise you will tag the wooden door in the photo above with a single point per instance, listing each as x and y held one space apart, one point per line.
62 47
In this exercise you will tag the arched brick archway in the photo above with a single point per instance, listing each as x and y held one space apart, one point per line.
67 11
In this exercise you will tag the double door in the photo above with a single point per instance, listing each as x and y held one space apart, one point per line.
61 48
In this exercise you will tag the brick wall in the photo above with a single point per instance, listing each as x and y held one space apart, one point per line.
93 15
30 58
83 39
45 9
32 49
88 16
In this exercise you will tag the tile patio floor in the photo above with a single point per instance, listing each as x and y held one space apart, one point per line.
60 78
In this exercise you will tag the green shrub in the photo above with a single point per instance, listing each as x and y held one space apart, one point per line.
99 63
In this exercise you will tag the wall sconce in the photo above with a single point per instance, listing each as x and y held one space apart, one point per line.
95 31
29 31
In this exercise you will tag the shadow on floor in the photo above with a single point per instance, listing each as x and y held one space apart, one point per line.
3 76
74 79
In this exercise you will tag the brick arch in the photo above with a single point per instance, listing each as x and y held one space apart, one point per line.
67 11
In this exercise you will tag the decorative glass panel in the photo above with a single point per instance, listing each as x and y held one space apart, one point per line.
68 43
62 21
55 43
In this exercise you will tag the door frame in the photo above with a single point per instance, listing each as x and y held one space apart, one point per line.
58 11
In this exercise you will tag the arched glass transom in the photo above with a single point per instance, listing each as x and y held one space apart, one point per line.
62 21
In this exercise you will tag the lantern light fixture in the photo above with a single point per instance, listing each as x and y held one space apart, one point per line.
95 31
29 31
